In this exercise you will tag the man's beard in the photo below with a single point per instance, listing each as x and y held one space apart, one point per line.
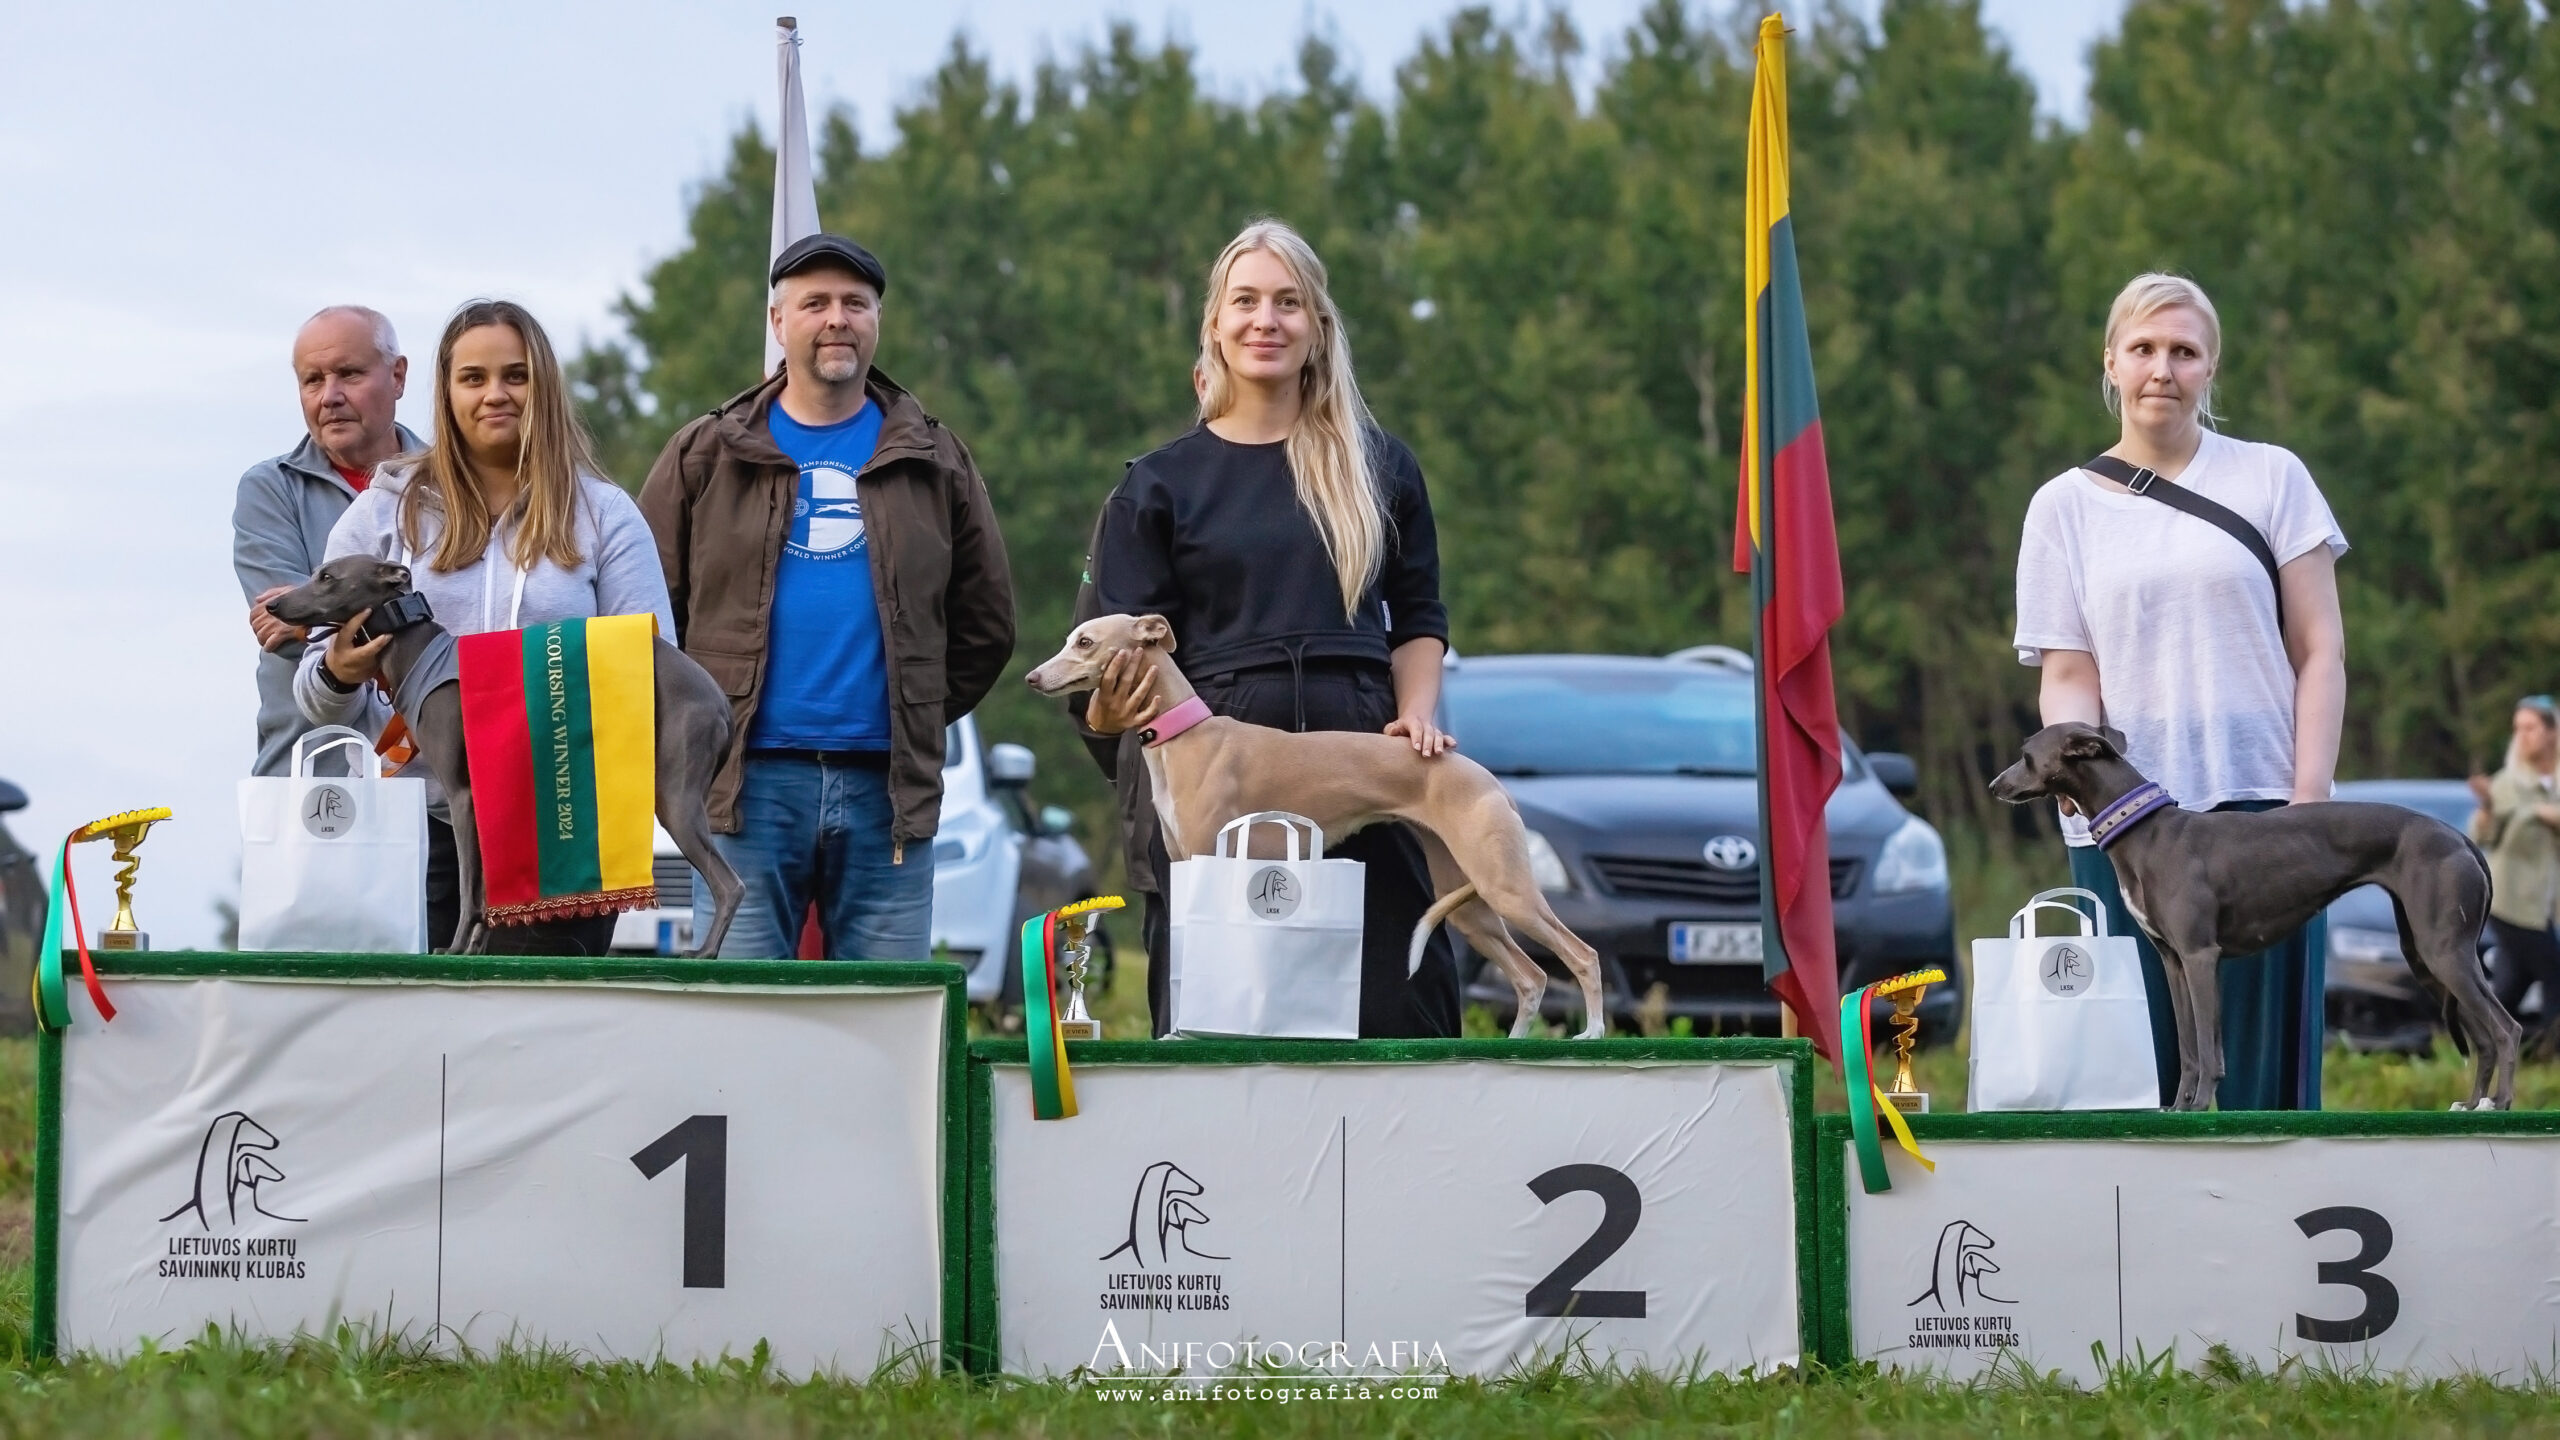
835 371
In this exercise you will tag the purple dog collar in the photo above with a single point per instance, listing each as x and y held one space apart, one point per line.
2109 825
1174 721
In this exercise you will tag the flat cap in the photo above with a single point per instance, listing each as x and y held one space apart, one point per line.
823 249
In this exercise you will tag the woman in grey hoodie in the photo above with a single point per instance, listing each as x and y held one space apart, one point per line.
503 523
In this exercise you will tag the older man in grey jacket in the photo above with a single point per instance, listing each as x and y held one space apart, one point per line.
348 365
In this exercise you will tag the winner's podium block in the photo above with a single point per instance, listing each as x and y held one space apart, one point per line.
1363 1209
2417 1244
622 1158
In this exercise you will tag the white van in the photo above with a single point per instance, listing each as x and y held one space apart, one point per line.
977 866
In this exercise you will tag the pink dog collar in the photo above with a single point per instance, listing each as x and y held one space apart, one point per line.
1174 721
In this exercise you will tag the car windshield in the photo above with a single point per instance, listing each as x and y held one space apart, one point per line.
1639 720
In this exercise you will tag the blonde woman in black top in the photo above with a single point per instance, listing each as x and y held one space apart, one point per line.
1289 542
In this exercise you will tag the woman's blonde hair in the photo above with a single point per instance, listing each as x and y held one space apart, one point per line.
1329 451
2145 296
554 453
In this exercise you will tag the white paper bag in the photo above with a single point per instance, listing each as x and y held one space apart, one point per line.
334 863
1267 947
2060 1021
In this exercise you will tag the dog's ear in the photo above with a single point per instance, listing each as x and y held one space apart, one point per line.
1154 631
2094 742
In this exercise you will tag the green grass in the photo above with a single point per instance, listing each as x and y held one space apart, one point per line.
347 1385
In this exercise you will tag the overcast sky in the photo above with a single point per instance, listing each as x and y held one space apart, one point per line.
183 183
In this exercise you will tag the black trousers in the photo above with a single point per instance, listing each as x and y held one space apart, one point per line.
2524 956
587 935
1358 697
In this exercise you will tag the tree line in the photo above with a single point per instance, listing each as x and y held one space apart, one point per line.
1544 288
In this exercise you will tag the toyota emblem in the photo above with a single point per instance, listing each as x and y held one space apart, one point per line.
1732 852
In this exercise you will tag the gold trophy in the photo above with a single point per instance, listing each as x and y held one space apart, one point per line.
1904 1094
1075 955
126 830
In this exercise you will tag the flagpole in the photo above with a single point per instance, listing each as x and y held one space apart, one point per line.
795 184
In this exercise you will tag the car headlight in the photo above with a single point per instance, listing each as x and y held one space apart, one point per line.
1914 859
1546 866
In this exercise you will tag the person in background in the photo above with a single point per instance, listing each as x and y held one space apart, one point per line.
2164 626
348 364
504 522
834 562
1289 542
2519 825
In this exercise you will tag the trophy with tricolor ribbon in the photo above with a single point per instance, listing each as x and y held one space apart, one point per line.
62 915
1051 1016
1867 1099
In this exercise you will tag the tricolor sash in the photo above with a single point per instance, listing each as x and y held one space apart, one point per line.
560 724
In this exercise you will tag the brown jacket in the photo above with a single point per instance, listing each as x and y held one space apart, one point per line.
719 500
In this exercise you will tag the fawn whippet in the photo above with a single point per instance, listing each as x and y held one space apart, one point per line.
1208 769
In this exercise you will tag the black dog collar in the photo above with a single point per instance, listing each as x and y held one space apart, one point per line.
395 615
2110 824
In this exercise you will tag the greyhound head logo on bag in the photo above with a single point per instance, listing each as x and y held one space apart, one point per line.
1272 893
2068 969
328 811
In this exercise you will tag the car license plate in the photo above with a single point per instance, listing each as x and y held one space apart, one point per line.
1696 942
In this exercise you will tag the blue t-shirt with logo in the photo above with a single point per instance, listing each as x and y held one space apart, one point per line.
826 677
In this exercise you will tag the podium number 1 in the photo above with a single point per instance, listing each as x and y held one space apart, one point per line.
702 1143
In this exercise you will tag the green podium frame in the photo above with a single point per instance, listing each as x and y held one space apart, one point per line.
984 1350
654 971
1835 1166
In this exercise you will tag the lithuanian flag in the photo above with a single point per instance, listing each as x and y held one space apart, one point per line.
560 724
1783 538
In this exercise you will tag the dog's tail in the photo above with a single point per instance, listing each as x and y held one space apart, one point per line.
1441 909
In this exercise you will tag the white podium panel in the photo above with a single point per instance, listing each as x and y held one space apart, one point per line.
623 1170
2419 1254
1458 1216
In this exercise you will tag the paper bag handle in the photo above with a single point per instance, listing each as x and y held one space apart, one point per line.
332 737
2023 924
1237 834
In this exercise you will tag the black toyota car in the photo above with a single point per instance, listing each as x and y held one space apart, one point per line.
1636 778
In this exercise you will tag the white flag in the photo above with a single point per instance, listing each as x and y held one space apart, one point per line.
795 185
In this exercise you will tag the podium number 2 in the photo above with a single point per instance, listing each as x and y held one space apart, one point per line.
2381 1297
1621 1208
702 1143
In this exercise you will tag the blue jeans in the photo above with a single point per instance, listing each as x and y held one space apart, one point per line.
812 829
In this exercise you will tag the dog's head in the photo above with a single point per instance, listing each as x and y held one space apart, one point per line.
344 587
1078 666
2063 760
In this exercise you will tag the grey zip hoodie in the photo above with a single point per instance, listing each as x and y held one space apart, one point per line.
617 574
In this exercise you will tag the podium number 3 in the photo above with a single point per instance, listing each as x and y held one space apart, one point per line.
702 1143
2381 1297
1621 1208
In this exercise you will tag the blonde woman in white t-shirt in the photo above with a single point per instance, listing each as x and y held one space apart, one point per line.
2165 626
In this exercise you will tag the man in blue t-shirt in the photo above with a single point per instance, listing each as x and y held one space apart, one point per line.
833 562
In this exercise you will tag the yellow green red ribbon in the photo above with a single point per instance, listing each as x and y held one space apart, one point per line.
52 993
1866 1098
1053 1087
